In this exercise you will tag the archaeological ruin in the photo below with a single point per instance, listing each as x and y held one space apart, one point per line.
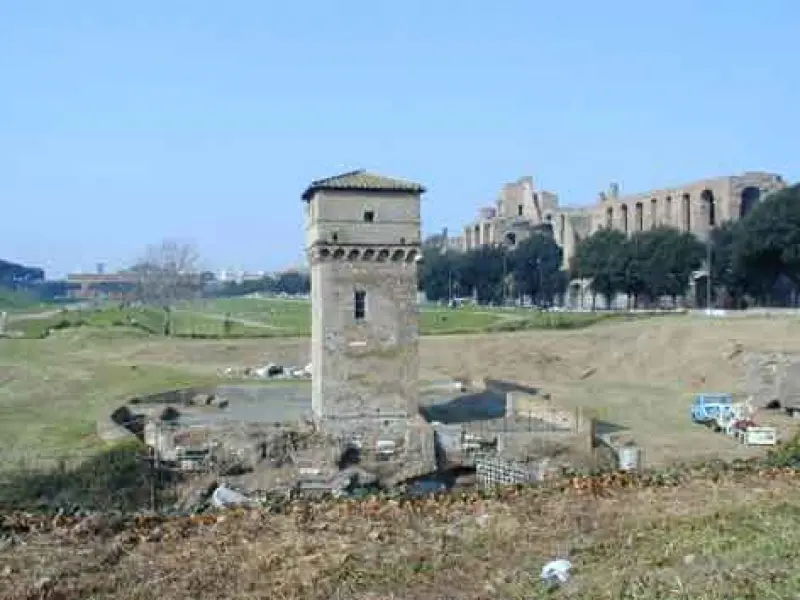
363 243
522 209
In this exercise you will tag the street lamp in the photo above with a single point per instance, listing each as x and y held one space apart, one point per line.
505 274
707 210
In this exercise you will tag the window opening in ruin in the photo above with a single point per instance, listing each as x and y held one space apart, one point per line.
624 209
653 213
519 210
359 305
639 208
710 207
335 237
687 212
369 216
750 197
609 217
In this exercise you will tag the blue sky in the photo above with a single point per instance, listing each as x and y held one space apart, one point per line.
123 123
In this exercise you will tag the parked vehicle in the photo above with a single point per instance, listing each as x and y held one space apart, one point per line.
718 412
707 408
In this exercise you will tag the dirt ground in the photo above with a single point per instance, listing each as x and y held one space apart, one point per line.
639 375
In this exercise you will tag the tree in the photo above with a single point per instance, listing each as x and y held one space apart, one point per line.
293 283
666 260
766 244
602 257
724 271
437 270
536 266
483 271
167 273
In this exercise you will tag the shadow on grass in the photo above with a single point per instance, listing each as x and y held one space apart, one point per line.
119 478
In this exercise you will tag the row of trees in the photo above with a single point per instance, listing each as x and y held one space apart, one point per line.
171 272
494 274
756 259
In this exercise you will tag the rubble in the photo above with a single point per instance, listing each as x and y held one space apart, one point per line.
268 371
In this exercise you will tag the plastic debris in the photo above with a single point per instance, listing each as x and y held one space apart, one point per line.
556 572
224 497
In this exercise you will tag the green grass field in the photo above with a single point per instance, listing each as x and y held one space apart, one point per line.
130 321
279 317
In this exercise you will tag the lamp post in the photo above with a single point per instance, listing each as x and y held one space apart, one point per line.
707 209
505 274
708 271
539 276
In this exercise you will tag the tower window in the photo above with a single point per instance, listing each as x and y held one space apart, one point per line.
369 216
359 305
519 210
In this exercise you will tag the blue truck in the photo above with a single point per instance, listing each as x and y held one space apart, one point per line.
707 408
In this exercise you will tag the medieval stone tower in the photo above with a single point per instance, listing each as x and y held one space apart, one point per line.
363 246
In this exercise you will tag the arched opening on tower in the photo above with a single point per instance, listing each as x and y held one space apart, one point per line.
338 253
686 208
397 255
354 254
668 211
511 238
369 254
710 206
383 255
411 256
609 218
750 197
624 210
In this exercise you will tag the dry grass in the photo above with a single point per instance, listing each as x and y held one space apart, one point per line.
709 539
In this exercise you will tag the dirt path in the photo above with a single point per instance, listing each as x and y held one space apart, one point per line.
222 317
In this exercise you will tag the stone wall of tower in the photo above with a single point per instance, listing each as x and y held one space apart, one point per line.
365 367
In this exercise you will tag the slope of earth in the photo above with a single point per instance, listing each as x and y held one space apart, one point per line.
733 535
639 375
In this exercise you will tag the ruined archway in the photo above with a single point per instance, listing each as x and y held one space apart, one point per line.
686 212
653 213
750 197
710 206
639 212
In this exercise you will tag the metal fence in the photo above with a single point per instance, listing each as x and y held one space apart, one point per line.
491 471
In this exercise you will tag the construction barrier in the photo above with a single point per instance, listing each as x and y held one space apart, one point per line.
494 471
